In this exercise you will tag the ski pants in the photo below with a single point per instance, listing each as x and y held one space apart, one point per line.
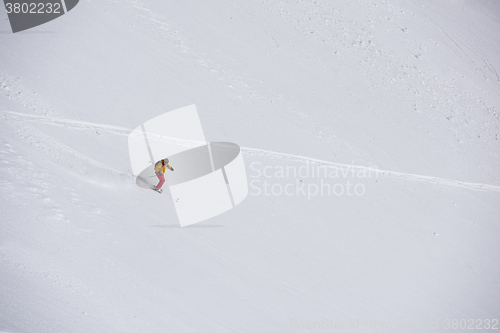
161 177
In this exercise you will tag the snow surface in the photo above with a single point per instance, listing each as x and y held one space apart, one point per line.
408 87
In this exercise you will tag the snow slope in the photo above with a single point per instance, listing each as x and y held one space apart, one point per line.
410 88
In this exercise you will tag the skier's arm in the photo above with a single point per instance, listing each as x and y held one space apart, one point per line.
168 166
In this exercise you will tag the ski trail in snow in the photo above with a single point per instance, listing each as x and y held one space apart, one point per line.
82 125
75 124
271 154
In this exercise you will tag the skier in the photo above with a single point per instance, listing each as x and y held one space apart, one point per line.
160 171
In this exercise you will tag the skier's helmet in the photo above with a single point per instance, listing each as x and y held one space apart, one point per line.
165 160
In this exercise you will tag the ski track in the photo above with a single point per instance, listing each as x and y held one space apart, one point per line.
118 130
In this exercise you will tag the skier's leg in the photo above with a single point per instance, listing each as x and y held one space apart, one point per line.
162 180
